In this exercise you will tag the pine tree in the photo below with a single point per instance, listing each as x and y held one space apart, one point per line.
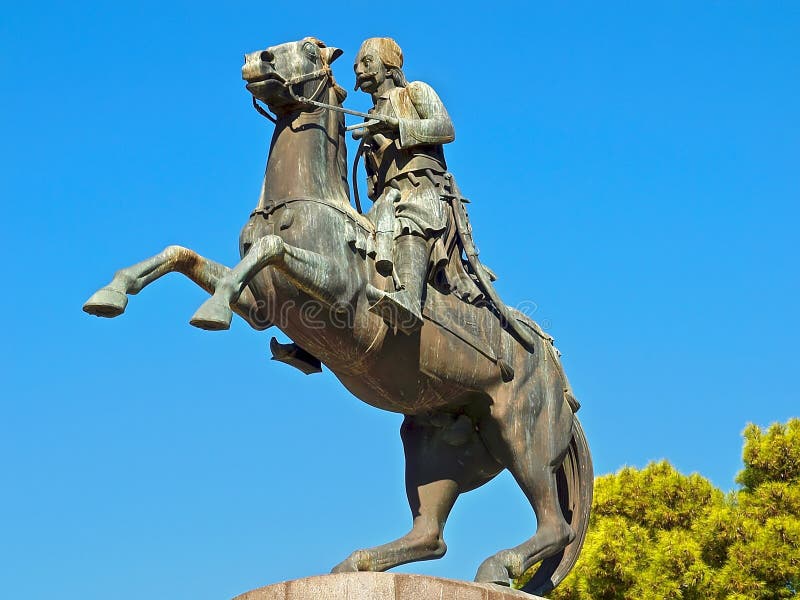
656 534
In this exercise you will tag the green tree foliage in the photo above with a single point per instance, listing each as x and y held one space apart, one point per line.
656 534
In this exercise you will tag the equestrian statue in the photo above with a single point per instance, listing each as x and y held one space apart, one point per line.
396 303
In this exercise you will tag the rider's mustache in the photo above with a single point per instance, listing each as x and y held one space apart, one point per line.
360 79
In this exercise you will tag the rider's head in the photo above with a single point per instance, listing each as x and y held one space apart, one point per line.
378 59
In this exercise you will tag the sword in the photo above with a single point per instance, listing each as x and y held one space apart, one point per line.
508 320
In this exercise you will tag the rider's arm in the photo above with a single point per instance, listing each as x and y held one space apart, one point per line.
434 125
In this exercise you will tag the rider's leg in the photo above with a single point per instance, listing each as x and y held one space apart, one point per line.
420 219
403 308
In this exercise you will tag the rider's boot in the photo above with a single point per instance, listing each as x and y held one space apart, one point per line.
403 308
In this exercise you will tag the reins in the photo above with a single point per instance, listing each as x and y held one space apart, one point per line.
324 74
262 112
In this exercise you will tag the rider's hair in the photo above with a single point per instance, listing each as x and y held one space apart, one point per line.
397 75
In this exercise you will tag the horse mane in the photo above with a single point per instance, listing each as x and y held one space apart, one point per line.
337 127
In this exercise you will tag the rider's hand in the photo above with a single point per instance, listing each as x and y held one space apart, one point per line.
377 128
388 126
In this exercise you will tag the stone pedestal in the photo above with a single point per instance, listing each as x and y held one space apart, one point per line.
382 586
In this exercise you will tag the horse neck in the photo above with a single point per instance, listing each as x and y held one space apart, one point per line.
307 158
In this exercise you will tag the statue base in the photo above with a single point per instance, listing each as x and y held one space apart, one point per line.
382 586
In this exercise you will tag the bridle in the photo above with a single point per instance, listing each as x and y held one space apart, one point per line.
324 74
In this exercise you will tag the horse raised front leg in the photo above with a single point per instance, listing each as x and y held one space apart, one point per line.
309 271
111 300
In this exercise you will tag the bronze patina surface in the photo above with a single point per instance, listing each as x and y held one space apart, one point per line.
396 304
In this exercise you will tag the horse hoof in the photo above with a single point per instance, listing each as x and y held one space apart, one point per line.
492 571
357 561
106 302
344 567
212 316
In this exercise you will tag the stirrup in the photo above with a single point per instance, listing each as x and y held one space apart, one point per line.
294 355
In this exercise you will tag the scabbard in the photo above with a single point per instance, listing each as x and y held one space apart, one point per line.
509 322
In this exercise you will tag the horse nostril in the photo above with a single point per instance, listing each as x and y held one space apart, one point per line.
267 56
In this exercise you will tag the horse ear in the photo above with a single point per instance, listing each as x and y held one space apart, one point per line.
330 54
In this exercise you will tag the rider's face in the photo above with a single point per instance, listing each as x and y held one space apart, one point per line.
370 72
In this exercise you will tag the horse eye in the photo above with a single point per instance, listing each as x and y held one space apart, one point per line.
310 49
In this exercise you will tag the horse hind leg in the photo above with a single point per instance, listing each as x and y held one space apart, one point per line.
533 453
111 300
438 469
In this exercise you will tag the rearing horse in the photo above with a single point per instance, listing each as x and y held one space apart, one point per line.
305 265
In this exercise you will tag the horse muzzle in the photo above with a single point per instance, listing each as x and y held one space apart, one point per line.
257 67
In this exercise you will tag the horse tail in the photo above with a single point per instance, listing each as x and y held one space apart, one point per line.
575 480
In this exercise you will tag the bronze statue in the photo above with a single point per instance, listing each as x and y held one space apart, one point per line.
404 152
478 396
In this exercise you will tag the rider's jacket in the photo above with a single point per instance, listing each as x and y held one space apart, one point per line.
424 127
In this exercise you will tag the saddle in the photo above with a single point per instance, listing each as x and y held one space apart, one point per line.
454 270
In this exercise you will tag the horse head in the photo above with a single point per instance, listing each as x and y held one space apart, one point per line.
280 75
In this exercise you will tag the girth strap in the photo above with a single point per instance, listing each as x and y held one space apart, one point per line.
267 211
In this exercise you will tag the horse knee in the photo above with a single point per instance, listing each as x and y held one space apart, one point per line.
180 257
174 251
269 247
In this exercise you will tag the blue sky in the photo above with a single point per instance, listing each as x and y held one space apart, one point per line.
633 171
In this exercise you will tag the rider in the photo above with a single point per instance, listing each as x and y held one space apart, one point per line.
404 152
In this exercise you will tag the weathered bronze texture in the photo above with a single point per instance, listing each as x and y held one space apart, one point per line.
481 387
